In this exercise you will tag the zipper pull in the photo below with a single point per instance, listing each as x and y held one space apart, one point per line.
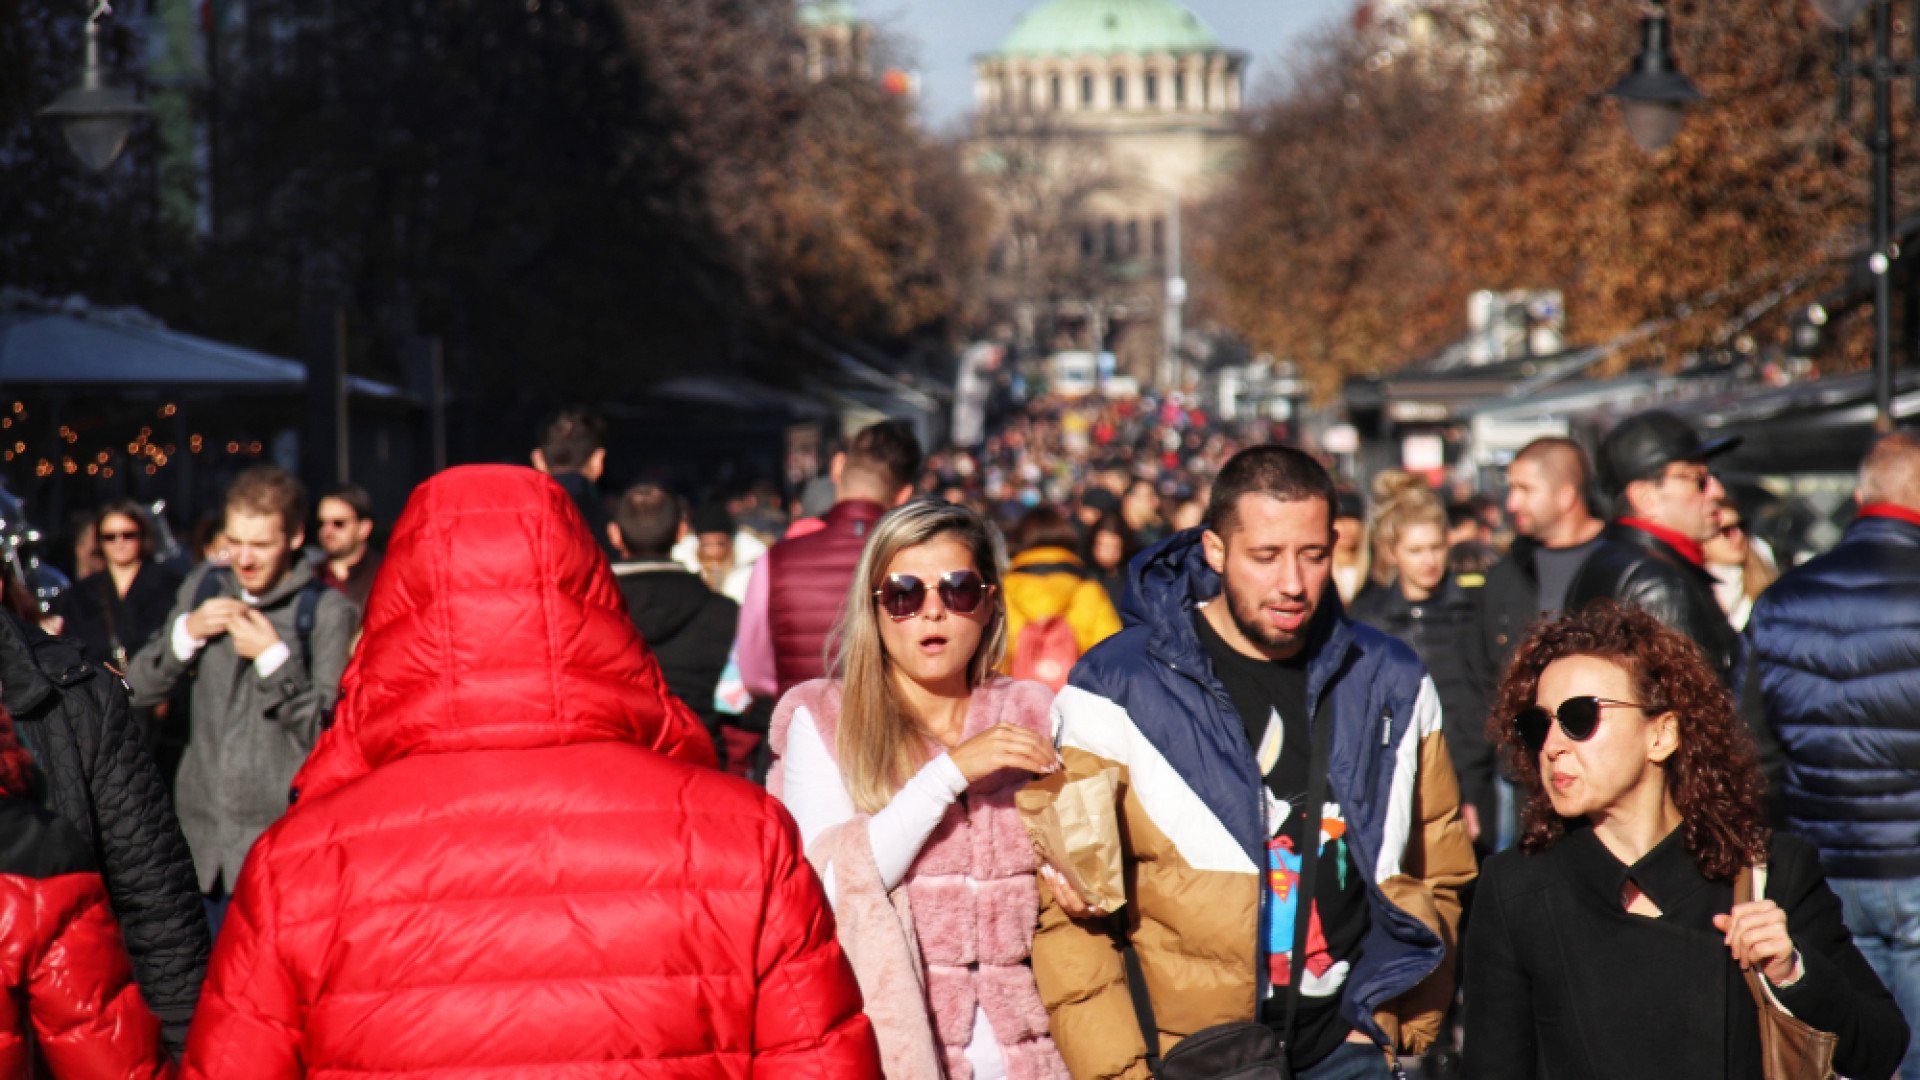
1386 729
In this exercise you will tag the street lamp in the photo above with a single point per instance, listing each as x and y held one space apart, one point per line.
96 116
1654 93
1881 72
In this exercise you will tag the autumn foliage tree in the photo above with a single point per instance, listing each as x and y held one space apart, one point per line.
578 196
1386 182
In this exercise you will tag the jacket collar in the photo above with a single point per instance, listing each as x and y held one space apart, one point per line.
1627 535
1685 546
1045 556
497 626
1668 873
857 515
1890 512
1524 552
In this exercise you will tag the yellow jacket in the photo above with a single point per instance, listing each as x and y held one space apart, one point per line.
1035 591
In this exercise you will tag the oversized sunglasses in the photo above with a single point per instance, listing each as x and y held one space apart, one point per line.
114 537
1579 717
903 595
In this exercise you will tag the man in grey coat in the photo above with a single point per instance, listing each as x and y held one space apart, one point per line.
262 684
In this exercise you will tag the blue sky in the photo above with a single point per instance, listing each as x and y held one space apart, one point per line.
942 36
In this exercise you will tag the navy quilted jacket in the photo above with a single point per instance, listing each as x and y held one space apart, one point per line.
1837 642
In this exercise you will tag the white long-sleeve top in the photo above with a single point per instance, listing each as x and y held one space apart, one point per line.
815 793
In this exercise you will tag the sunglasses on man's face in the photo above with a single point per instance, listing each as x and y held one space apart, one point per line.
903 595
1699 478
1579 717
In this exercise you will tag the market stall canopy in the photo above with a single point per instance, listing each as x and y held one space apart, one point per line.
71 344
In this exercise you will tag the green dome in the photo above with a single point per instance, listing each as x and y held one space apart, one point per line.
1079 27
815 14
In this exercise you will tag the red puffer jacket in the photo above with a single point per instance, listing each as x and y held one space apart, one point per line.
64 972
496 868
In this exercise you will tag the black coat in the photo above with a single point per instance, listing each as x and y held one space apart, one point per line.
1635 567
688 626
93 768
1564 982
1441 630
1509 604
95 614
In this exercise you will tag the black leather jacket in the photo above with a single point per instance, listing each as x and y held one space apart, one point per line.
1635 567
93 768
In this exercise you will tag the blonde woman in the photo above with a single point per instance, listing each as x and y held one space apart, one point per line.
901 771
1427 607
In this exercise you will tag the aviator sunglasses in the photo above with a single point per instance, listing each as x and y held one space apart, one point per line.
1579 717
903 595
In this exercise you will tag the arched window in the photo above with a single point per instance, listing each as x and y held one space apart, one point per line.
1056 92
1119 91
1086 91
1026 93
1133 238
1110 230
1179 89
1151 91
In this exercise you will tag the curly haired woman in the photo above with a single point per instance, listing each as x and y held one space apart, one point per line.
1609 944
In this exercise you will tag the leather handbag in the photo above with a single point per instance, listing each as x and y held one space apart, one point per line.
1241 1049
1790 1049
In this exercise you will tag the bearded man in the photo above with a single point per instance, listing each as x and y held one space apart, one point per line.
1266 748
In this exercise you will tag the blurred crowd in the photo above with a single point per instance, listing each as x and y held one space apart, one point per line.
514 699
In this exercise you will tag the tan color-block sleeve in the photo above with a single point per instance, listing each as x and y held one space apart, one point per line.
1438 866
1079 972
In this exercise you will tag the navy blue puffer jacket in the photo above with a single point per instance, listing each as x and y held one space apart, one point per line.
1837 642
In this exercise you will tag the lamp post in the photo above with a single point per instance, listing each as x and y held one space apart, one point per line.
1880 71
96 116
1653 94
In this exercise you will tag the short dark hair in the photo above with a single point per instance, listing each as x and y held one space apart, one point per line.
1044 526
648 517
1280 472
354 496
569 437
270 489
886 453
1564 461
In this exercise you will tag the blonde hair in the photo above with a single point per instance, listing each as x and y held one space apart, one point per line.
880 744
1400 500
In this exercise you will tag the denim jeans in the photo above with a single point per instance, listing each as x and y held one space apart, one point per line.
1351 1061
1885 919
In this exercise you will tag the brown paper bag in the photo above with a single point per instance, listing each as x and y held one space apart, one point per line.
1075 827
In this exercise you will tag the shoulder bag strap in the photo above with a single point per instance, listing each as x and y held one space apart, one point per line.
1137 990
1317 781
1317 784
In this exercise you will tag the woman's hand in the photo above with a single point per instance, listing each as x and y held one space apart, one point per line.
1004 746
1756 933
1067 896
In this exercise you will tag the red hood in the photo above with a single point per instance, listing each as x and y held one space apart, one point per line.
495 624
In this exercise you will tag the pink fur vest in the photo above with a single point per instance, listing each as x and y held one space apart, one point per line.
970 904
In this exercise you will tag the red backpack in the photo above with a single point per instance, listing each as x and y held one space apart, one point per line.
1046 651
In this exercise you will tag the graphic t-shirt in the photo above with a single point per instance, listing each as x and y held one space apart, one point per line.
1271 698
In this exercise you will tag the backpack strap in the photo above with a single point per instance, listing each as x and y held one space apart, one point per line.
212 584
306 614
